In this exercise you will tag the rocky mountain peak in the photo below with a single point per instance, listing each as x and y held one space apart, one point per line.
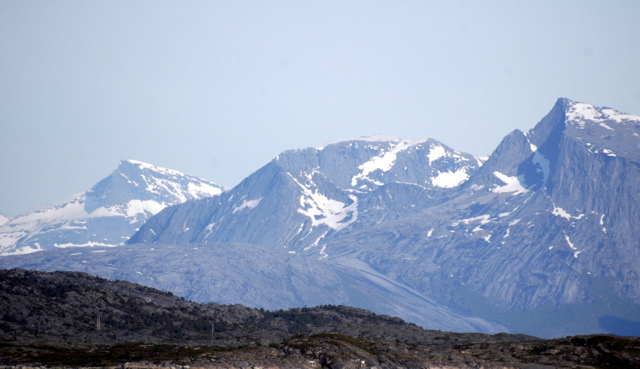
138 181
504 163
317 192
542 238
365 164
106 215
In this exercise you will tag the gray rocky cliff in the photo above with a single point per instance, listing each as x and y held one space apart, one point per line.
305 197
542 238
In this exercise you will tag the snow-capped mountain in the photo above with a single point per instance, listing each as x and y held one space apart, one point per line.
4 219
106 215
252 240
303 198
544 238
541 238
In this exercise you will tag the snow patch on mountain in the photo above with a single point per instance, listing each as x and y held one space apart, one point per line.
332 213
158 179
436 153
619 117
482 219
573 247
24 250
511 184
581 114
450 179
383 162
560 212
247 204
595 150
135 207
325 211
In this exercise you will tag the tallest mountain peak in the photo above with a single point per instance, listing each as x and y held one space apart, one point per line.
564 102
584 120
579 113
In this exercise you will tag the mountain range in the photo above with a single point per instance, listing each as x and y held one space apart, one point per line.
539 238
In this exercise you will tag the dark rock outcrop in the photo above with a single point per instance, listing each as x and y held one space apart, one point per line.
72 319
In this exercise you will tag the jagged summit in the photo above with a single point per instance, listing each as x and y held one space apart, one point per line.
316 192
541 238
139 181
589 123
604 130
526 161
582 113
106 215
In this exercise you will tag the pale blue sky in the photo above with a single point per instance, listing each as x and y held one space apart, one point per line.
218 88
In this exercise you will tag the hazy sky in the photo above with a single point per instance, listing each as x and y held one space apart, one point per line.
217 89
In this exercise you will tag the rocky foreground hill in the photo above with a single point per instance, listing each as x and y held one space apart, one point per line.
74 319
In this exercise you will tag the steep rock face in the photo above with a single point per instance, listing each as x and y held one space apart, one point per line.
598 179
305 197
546 224
541 239
106 215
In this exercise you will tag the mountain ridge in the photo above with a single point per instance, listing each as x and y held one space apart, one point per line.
105 215
319 190
526 199
541 238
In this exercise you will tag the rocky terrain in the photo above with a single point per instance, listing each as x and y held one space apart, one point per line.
539 238
107 214
75 320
